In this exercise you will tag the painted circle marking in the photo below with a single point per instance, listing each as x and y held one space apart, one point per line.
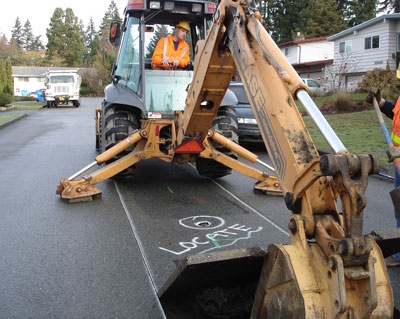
202 222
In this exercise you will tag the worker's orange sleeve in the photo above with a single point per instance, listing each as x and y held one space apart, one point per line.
158 53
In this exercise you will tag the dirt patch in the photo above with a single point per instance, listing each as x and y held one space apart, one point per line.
331 108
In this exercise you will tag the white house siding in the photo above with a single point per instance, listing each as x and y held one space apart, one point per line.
308 51
291 53
310 57
316 51
24 85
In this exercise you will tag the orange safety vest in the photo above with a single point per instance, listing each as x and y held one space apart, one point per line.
165 48
395 136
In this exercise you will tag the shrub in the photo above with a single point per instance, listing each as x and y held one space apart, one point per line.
383 79
5 99
343 102
85 91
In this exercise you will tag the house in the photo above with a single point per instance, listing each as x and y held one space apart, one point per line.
28 80
311 58
369 45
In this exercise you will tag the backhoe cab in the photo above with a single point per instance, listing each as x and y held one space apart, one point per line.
146 106
330 269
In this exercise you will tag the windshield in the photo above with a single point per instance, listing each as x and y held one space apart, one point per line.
61 79
162 91
128 67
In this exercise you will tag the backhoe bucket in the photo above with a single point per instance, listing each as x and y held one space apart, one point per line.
302 283
214 285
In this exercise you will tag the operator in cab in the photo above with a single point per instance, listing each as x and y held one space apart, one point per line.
172 52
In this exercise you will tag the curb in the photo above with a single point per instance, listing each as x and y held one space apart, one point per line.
13 120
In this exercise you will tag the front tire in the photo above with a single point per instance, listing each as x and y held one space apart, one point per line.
119 121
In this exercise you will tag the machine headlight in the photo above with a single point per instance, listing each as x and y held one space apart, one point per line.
155 5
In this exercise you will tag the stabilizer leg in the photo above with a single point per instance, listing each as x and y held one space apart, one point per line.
267 184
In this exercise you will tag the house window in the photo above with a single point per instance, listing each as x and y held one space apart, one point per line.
287 51
345 47
371 42
398 42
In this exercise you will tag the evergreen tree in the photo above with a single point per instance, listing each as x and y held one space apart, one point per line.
111 15
324 19
27 36
107 53
55 34
3 75
65 38
356 12
37 44
389 6
92 47
6 81
9 83
75 46
285 18
16 35
364 10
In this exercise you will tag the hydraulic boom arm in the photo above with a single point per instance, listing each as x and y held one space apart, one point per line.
341 273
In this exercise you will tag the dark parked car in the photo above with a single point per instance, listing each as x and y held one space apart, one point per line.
248 127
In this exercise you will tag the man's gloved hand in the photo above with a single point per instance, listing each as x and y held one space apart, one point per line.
371 95
393 152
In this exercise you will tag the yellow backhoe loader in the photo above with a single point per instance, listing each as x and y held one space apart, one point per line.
331 269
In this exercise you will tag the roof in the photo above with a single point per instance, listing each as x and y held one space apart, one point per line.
364 25
327 61
300 41
29 71
38 71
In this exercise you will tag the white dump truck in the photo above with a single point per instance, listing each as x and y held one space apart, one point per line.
62 87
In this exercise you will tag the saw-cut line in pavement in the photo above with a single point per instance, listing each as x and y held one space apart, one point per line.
247 205
251 208
141 248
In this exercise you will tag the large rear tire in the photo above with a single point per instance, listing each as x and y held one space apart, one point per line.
118 122
226 123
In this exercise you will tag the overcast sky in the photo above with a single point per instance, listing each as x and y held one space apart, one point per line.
39 13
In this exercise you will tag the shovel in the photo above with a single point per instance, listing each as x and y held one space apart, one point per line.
394 194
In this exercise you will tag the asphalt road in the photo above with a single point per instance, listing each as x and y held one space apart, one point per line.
112 257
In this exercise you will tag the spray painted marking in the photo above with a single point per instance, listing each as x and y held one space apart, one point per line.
217 239
201 222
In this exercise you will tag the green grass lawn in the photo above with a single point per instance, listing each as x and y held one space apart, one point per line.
7 117
25 105
360 132
28 105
